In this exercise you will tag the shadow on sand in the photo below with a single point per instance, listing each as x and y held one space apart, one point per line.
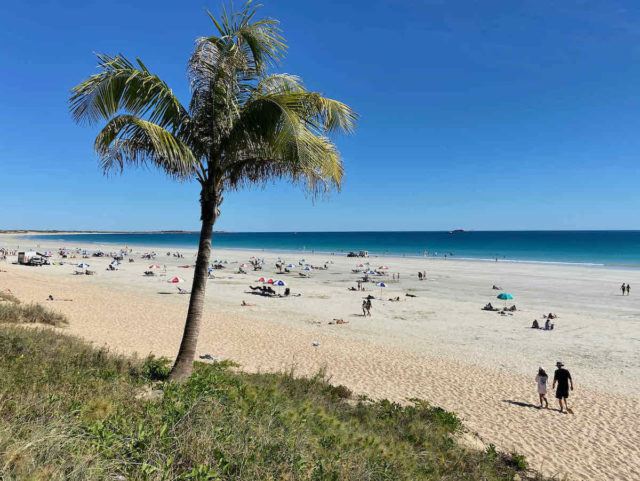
526 405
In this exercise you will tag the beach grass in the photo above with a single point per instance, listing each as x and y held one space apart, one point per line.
12 311
69 411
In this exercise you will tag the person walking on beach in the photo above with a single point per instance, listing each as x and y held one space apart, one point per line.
542 379
364 308
368 306
563 378
624 288
628 289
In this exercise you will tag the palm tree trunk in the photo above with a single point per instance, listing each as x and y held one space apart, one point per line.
184 362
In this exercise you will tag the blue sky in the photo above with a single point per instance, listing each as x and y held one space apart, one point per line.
482 115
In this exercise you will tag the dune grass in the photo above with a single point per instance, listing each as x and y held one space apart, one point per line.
69 411
11 311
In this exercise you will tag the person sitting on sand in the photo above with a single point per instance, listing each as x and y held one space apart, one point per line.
547 325
395 299
535 324
542 379
489 307
563 378
247 303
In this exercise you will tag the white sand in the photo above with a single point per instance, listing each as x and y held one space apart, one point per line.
438 346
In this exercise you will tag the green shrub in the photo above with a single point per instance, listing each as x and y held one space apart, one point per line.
518 461
156 369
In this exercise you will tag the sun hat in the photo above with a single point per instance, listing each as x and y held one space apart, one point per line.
559 363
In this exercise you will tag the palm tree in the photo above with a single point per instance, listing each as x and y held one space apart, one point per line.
243 126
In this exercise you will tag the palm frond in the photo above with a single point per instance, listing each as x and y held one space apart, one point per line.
120 85
127 139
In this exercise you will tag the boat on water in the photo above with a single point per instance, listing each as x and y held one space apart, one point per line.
455 231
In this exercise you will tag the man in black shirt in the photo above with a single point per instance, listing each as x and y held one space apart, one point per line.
563 378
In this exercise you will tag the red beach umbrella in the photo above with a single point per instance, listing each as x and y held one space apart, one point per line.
270 281
176 280
261 279
154 266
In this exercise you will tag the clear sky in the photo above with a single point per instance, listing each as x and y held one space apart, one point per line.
474 114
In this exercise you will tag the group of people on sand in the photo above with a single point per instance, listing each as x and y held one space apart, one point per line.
548 325
625 288
561 378
366 307
422 276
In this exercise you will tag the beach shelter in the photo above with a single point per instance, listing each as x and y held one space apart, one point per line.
505 296
176 280
83 265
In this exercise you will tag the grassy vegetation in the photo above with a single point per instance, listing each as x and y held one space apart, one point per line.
72 412
11 311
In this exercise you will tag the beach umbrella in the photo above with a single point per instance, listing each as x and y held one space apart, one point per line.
504 296
176 280
270 281
307 268
280 283
371 272
154 266
83 265
117 263
260 280
245 265
290 266
360 265
381 285
383 267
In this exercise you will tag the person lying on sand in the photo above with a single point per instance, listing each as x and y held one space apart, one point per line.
339 321
496 288
50 298
247 303
410 295
395 299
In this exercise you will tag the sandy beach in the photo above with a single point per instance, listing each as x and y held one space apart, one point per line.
438 345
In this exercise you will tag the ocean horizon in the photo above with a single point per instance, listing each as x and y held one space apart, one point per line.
590 248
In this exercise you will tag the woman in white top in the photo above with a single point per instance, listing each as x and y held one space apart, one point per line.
542 379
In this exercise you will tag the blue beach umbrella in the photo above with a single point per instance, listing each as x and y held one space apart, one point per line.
381 285
307 268
280 283
83 265
505 296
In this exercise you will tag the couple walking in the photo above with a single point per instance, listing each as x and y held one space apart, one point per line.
366 307
562 378
625 287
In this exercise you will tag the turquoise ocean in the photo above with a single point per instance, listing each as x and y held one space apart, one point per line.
600 248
